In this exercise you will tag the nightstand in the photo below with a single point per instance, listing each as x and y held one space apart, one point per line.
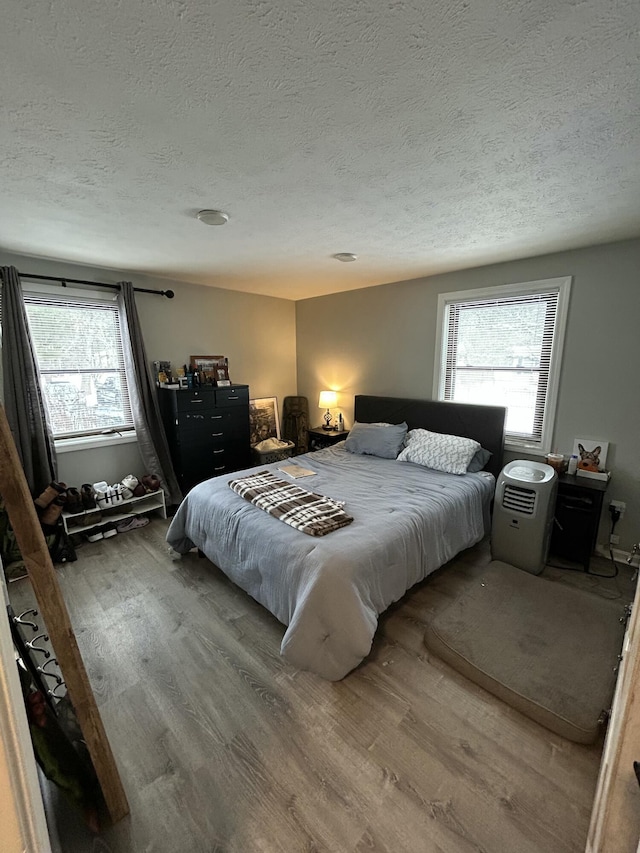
578 509
320 438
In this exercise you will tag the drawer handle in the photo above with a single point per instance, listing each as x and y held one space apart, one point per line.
233 398
218 451
217 434
216 417
220 468
195 401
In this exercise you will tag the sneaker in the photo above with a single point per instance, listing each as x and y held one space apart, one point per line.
100 490
95 537
110 531
132 523
130 482
115 493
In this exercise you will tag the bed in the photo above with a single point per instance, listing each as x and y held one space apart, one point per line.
408 521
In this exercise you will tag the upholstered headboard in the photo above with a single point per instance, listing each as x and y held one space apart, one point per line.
484 423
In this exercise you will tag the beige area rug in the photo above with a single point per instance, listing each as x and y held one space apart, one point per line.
547 649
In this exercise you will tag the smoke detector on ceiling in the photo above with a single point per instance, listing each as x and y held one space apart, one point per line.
213 217
345 257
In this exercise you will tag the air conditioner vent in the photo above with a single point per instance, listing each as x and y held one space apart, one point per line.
519 500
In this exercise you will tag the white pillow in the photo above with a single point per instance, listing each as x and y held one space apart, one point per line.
448 453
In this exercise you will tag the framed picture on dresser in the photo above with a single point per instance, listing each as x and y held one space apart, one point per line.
209 365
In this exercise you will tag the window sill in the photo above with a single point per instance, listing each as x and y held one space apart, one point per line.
512 447
90 442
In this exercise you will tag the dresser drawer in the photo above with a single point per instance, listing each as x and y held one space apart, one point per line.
232 396
204 427
197 400
201 421
212 462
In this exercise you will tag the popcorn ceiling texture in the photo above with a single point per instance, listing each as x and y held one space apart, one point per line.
423 136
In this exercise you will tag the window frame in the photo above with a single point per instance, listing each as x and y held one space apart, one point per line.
88 440
563 287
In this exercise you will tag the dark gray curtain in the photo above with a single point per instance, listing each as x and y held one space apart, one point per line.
144 400
23 401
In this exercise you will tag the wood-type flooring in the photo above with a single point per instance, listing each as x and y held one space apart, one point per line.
225 748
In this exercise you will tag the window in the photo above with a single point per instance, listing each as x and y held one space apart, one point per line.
503 346
78 345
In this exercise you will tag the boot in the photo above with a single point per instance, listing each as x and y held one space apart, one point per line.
50 494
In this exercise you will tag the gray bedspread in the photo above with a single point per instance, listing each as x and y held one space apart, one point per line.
408 521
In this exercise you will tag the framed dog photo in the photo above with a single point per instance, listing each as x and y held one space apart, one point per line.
591 453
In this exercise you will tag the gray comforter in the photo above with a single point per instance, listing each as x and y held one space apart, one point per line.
408 521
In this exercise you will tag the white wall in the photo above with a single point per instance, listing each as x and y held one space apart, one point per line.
256 333
381 340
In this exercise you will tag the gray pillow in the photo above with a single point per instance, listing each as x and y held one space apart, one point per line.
479 460
376 439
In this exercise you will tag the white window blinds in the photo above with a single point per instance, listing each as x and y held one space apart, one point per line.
503 348
78 345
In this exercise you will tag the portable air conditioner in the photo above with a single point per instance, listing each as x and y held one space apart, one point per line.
523 513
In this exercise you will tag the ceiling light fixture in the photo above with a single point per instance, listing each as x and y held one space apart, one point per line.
213 217
345 257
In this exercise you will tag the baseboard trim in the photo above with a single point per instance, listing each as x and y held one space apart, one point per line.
618 555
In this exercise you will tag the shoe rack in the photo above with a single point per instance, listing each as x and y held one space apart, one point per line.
54 620
112 513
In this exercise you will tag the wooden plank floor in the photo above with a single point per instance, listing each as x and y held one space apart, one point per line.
224 747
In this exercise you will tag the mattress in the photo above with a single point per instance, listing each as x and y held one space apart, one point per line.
408 521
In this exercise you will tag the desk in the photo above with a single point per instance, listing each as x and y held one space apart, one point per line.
577 516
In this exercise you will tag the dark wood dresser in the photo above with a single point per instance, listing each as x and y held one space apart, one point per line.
207 430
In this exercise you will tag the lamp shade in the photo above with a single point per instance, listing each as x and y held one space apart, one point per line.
328 400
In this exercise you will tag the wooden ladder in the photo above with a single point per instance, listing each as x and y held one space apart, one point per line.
33 547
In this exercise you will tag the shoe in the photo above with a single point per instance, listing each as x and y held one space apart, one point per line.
101 490
50 494
74 501
88 494
117 493
53 512
151 482
132 524
91 518
130 482
133 484
95 537
109 531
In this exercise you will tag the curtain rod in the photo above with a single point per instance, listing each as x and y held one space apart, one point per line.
63 281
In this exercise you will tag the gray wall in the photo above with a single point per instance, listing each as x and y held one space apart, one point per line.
256 333
381 340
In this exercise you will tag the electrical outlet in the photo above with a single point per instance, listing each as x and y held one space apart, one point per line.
620 506
614 539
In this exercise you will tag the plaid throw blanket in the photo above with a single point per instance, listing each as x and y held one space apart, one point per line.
313 514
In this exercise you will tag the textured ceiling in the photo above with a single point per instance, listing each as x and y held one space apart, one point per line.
423 136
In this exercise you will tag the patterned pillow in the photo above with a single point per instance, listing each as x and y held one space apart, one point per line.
448 453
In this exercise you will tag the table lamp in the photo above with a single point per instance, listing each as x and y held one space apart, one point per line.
328 400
